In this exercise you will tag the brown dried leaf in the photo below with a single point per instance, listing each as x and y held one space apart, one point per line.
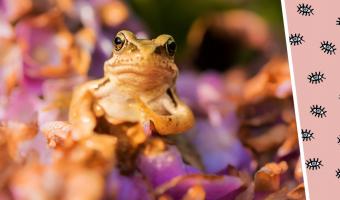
272 81
272 138
298 171
268 177
291 142
14 134
298 193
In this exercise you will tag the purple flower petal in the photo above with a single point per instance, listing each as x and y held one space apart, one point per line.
49 49
205 94
38 146
13 9
122 187
163 169
22 107
32 85
11 66
57 96
187 88
218 147
215 187
163 166
40 47
210 89
6 30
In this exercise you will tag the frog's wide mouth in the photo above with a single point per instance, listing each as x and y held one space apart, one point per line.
140 70
143 78
126 69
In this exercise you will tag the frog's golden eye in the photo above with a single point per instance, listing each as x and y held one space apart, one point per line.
118 41
170 47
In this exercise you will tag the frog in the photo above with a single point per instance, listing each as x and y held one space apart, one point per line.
138 86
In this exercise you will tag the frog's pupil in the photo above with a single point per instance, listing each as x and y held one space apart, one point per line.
118 41
172 47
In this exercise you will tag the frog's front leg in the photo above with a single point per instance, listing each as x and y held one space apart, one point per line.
81 114
179 120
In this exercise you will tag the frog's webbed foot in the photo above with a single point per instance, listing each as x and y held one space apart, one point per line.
58 134
178 121
95 150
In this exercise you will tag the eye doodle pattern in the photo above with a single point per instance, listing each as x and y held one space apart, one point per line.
313 164
337 173
316 77
296 39
328 47
305 9
318 111
308 48
307 135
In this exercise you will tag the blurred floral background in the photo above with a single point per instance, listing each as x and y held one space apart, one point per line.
233 74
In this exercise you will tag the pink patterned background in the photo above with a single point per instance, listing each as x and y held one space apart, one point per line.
308 57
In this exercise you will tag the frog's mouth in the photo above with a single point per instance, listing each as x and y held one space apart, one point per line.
139 76
140 70
130 69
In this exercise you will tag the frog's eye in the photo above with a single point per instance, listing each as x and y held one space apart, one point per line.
170 47
118 41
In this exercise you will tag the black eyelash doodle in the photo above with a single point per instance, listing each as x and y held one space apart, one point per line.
318 111
337 173
305 9
338 139
338 21
313 164
296 39
328 47
316 77
307 135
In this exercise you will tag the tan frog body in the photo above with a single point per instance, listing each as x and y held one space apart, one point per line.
138 86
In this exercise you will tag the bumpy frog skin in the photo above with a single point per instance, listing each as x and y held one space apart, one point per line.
138 86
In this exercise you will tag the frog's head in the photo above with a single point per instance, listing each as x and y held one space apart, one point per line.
142 62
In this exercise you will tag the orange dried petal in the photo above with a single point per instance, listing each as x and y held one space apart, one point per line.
268 177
